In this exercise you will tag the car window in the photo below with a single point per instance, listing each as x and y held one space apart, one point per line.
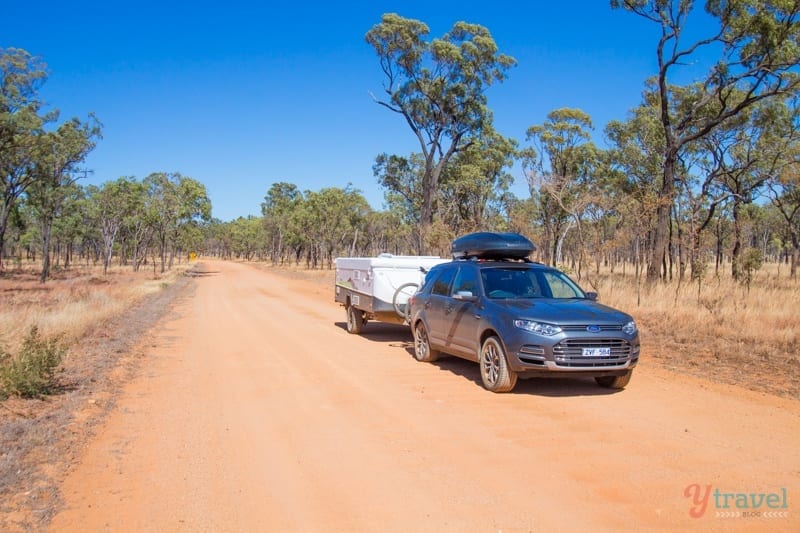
466 281
560 286
501 283
427 281
441 285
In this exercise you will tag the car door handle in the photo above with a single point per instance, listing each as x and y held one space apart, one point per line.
448 309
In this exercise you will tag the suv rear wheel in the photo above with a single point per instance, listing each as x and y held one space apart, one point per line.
422 346
614 382
495 374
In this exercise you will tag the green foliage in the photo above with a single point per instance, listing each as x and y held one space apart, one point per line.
561 168
30 372
439 87
750 262
21 125
758 58
172 202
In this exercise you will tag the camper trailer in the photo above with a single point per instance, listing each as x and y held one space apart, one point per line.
378 288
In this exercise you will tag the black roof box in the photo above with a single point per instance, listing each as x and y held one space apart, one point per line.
487 245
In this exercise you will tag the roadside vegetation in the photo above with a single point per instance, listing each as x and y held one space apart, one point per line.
40 323
688 215
29 373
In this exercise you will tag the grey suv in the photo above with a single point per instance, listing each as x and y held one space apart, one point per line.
517 318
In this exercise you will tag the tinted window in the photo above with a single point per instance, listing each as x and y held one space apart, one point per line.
561 286
427 281
515 282
441 284
511 282
466 281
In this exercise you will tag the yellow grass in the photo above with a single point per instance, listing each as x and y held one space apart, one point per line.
767 315
73 302
723 331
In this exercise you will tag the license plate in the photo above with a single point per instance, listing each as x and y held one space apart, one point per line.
596 352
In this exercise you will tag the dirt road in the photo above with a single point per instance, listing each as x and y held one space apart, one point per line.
255 410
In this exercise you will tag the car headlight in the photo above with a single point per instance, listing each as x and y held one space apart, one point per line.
539 328
630 328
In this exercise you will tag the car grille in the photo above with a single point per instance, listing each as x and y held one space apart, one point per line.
569 352
585 327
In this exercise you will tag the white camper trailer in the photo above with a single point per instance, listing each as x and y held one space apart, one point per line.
378 288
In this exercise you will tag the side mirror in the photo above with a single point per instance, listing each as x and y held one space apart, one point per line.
592 296
466 296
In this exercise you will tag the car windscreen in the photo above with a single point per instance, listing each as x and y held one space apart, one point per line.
514 282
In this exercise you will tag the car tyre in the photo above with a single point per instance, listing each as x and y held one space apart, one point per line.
495 374
422 345
355 320
615 382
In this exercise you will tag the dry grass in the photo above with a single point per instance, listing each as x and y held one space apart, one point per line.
73 302
723 331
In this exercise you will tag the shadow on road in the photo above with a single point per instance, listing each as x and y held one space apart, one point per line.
399 336
538 386
383 332
199 273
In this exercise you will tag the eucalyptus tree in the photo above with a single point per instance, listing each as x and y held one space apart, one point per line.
331 218
58 155
636 147
277 209
385 232
757 42
218 241
21 124
112 204
71 228
785 196
172 202
247 237
559 167
138 224
759 145
439 88
473 185
402 177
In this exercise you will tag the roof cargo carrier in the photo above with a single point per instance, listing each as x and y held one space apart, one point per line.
488 245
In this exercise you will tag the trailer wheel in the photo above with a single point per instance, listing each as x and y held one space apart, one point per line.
355 320
400 299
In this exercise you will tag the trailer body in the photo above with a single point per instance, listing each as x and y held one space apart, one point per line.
379 287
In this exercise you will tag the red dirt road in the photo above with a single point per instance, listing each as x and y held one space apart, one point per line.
254 410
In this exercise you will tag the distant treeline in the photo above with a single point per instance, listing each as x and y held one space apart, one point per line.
706 173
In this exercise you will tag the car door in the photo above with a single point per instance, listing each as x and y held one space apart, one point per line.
436 306
463 314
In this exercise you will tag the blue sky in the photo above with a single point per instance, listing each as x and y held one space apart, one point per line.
240 95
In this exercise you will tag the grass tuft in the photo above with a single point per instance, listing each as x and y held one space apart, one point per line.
30 373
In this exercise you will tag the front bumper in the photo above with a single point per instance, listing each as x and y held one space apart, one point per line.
566 355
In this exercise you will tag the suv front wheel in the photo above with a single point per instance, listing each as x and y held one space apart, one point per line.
495 374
